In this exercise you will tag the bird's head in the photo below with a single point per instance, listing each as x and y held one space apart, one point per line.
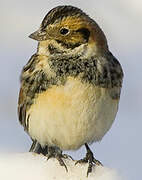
67 29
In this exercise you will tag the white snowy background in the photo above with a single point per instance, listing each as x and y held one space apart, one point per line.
121 20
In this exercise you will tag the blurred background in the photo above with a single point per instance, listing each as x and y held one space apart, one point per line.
121 148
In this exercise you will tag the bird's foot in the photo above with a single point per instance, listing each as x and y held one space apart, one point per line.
89 159
57 153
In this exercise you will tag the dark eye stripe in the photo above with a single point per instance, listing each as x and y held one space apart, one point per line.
85 32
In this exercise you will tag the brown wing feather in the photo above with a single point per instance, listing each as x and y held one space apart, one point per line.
22 109
23 94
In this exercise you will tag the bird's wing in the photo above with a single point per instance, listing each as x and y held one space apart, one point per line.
23 99
22 107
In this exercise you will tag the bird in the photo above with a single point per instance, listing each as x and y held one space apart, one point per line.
70 88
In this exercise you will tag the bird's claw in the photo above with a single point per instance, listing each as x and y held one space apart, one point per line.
89 159
66 156
60 160
57 153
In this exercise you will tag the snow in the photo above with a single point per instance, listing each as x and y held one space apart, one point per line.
31 166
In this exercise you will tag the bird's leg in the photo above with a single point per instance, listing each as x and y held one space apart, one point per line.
89 158
57 153
33 146
36 148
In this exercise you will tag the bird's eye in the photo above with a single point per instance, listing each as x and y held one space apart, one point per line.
64 31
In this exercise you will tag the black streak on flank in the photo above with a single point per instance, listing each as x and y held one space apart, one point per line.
85 32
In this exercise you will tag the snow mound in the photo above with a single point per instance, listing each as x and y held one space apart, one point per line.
31 166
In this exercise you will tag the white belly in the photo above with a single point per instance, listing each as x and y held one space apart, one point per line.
69 116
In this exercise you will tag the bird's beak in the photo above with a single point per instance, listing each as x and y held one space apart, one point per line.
39 35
